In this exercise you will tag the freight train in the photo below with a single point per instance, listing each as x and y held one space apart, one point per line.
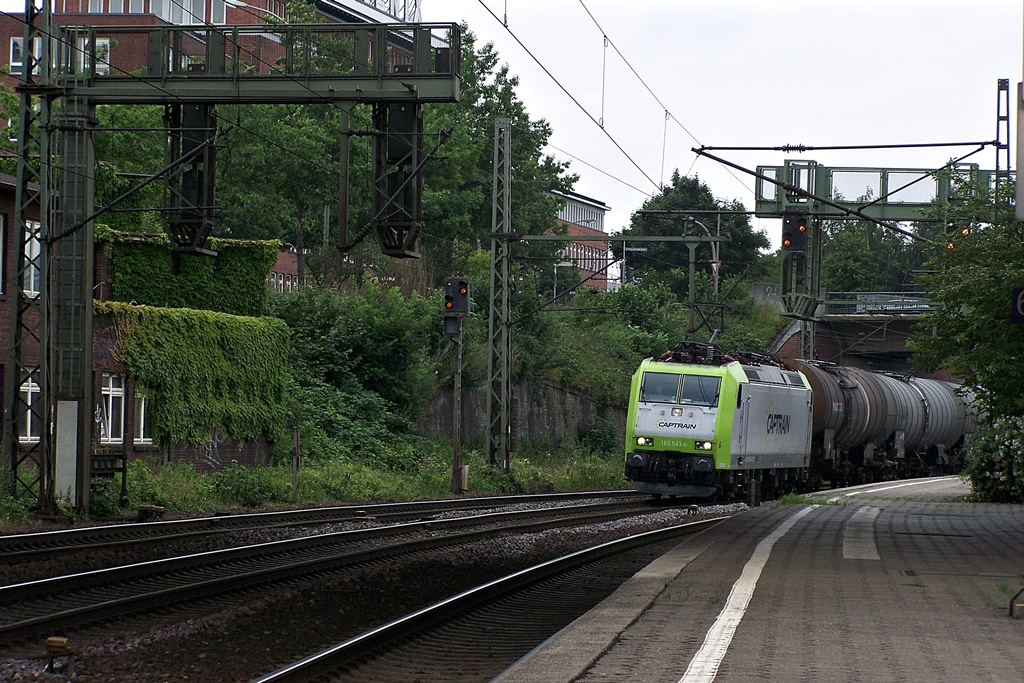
708 425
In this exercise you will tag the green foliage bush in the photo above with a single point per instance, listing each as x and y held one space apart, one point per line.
375 341
995 466
175 486
12 510
103 499
604 436
249 486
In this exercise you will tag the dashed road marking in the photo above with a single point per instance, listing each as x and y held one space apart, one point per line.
859 537
704 666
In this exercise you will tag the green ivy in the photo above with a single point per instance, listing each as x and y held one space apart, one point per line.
203 370
144 272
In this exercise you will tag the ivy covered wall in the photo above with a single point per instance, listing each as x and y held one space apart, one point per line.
143 270
204 370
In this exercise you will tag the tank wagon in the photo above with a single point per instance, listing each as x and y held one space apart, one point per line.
705 424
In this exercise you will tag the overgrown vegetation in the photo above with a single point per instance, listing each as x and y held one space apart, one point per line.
147 271
202 370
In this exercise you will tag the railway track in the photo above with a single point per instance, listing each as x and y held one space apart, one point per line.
47 545
68 602
479 633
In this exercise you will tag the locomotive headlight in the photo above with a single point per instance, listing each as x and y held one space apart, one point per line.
677 412
702 445
644 441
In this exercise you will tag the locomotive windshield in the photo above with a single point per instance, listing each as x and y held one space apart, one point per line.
664 387
700 391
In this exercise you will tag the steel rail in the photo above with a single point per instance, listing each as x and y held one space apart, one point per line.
29 608
322 664
37 546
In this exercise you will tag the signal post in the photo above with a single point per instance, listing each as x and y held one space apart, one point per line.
456 309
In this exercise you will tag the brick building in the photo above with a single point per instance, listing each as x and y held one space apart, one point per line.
584 217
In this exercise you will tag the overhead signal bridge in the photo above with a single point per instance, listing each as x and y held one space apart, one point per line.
885 194
292 63
802 193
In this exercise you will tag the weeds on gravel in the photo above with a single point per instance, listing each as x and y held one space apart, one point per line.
793 499
12 510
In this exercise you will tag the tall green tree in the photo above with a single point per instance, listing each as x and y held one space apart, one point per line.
458 186
669 261
970 332
860 256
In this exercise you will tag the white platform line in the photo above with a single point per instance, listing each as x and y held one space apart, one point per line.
929 480
859 537
704 666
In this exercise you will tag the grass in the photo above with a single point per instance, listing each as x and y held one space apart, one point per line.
793 499
180 489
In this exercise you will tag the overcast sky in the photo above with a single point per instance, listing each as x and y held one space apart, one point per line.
750 73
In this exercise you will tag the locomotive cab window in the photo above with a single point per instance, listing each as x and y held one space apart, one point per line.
700 391
659 387
663 387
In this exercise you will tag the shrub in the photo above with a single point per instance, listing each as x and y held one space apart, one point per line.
995 466
249 486
603 436
12 510
103 499
175 486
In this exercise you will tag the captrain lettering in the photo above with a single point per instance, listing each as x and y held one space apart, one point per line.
677 425
777 423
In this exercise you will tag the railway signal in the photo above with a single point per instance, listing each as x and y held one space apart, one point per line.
456 308
952 228
794 232
456 296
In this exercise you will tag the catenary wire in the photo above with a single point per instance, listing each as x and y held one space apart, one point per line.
668 114
571 97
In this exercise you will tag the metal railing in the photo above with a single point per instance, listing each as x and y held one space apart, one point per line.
876 303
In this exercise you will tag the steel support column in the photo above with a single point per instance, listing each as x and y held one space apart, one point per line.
499 369
27 443
72 260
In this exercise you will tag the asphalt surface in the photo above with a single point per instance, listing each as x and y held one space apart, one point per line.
901 581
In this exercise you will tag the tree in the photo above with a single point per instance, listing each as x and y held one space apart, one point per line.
662 258
970 332
457 187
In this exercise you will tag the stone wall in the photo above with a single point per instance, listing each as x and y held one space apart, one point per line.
542 413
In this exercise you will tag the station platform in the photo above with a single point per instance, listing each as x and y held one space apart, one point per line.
897 581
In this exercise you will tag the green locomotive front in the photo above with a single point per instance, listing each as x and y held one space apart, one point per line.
700 425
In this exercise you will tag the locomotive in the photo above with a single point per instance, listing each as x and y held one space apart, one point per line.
705 424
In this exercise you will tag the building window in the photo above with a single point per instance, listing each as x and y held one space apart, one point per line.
136 6
31 285
111 417
95 6
17 59
83 58
29 432
218 12
143 421
17 63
